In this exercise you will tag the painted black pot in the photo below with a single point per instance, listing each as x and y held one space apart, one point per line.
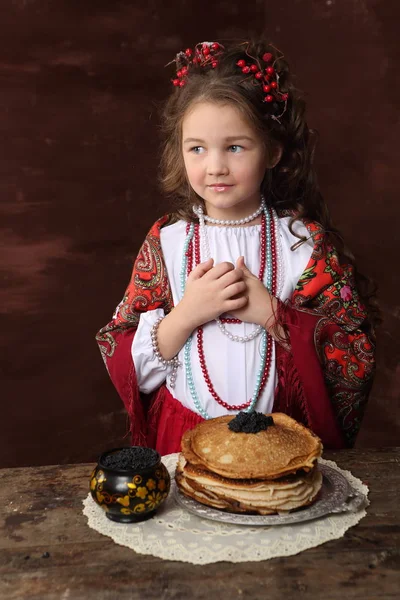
130 495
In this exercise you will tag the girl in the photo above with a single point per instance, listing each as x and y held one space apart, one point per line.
240 299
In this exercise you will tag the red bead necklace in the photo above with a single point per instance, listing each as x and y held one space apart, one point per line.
200 345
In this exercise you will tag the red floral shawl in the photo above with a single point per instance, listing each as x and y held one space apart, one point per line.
324 376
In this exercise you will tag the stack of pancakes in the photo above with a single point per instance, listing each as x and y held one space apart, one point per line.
272 471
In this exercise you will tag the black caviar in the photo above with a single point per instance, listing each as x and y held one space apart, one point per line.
134 458
250 422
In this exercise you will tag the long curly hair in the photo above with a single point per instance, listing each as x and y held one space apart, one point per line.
291 186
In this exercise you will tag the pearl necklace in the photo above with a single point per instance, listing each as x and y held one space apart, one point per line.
198 210
266 222
267 341
265 240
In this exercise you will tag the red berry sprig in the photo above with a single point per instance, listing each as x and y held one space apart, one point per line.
268 78
204 54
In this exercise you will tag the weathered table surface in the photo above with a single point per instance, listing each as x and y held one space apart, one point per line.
47 550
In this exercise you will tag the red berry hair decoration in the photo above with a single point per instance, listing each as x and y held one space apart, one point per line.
205 54
264 73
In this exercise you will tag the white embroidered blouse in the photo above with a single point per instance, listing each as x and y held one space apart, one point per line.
232 366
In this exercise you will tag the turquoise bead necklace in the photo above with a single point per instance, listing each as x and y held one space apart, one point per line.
266 343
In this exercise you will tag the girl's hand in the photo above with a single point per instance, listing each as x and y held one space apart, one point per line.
261 305
211 291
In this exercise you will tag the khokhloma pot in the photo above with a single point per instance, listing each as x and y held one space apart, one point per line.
130 483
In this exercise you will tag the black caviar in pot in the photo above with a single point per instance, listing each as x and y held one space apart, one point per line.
131 458
130 483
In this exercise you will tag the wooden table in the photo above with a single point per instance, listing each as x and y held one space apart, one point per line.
47 551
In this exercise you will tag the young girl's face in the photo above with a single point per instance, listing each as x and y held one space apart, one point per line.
225 159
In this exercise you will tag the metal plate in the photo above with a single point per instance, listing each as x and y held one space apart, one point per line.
336 495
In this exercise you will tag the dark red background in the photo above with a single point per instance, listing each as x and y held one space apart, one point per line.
80 85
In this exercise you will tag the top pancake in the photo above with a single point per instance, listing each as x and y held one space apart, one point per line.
281 449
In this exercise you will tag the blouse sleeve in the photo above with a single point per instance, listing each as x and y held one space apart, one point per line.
150 372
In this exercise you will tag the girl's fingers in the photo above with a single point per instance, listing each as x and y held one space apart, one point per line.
240 264
235 304
220 270
201 269
231 277
234 289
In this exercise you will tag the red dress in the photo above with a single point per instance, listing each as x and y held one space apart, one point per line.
325 370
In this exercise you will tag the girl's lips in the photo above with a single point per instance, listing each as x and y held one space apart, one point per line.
220 187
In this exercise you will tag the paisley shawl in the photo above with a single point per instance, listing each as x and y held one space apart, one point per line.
325 369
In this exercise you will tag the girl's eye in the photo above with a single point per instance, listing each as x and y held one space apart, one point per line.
197 149
235 148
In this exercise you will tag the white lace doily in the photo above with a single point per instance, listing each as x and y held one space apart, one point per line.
175 534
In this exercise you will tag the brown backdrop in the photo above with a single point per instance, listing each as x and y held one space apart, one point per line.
80 86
